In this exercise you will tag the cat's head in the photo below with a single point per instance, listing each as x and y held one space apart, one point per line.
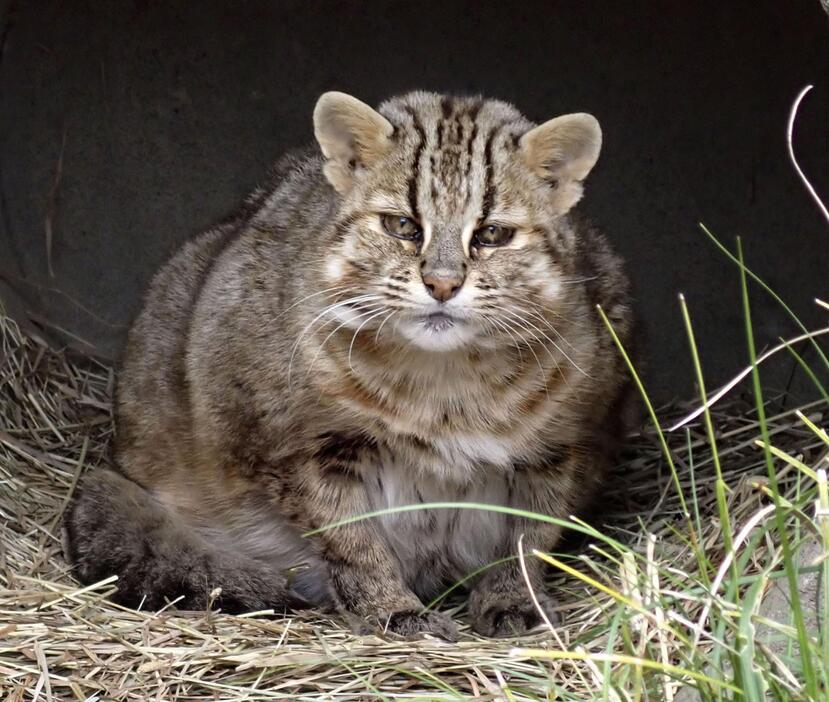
449 225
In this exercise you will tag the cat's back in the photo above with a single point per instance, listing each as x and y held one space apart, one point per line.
153 392
151 396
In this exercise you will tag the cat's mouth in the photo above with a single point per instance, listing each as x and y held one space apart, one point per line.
437 331
439 321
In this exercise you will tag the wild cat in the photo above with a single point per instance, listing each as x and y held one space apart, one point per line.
408 316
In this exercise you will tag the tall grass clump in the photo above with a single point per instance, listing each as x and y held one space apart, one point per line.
706 620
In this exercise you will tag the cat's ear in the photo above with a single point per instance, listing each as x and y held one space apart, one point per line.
351 135
563 151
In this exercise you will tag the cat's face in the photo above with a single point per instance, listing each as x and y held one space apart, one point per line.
446 234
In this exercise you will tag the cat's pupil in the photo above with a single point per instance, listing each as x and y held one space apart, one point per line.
492 235
400 226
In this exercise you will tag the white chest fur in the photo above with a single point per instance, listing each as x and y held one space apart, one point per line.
474 449
434 546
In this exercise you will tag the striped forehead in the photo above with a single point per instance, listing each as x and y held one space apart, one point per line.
454 144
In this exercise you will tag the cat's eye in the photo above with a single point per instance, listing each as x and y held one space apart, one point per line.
400 227
492 235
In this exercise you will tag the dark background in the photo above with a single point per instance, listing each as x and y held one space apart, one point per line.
129 126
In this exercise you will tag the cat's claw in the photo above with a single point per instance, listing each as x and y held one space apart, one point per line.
511 615
409 623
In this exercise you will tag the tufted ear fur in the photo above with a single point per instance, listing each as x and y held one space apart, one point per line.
351 135
563 151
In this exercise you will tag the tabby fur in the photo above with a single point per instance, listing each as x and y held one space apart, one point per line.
297 365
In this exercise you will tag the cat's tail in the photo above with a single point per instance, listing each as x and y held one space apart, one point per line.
113 526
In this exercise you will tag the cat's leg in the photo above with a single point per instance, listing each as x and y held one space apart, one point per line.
368 585
500 603
113 526
364 574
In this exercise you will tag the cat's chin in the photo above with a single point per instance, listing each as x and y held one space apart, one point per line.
437 333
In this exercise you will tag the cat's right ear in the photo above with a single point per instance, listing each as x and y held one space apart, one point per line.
351 135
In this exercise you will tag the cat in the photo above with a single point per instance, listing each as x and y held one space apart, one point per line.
405 315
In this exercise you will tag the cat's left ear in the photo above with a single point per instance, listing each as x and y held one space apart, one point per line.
351 135
563 151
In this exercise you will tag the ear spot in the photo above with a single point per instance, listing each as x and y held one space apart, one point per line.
350 134
563 149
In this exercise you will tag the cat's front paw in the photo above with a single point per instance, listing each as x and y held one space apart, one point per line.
412 622
506 615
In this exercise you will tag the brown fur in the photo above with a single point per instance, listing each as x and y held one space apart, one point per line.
284 375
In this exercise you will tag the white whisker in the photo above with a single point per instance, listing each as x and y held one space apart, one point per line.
574 281
372 310
531 329
549 324
385 319
327 310
500 325
530 347
354 338
335 289
558 348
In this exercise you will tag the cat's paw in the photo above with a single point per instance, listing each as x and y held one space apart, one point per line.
412 622
509 615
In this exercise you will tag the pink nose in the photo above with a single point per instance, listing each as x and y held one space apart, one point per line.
442 287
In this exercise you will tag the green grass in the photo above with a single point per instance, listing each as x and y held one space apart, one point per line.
733 667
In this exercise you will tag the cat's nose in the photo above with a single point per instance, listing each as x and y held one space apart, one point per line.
443 286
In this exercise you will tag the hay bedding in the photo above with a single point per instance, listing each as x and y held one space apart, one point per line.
62 641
